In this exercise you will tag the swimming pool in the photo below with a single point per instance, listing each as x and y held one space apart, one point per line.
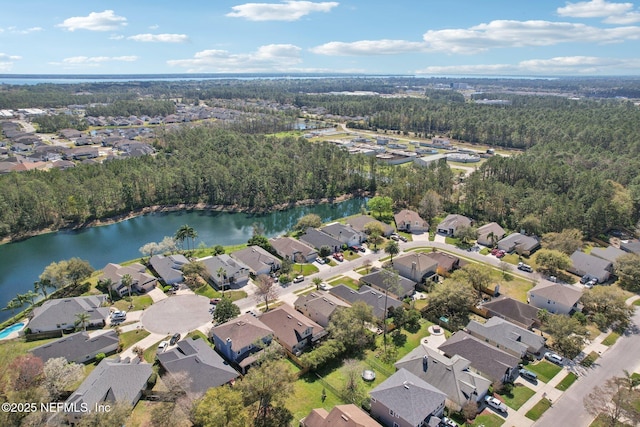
13 328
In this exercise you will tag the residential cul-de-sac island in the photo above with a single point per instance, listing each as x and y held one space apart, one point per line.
183 312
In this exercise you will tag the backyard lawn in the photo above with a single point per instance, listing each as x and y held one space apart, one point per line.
545 370
307 395
127 339
519 395
536 412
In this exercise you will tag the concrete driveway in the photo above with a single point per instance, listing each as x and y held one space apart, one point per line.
179 313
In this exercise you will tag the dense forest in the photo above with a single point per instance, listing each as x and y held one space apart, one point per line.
577 166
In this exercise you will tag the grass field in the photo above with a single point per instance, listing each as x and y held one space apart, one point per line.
611 339
138 302
488 419
304 269
519 395
536 412
347 281
545 370
150 353
127 339
567 381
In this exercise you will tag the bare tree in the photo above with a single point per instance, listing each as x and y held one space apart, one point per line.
614 400
266 290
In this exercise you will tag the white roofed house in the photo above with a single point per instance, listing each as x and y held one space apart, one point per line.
410 221
452 223
141 281
344 233
257 259
235 273
490 234
169 268
555 298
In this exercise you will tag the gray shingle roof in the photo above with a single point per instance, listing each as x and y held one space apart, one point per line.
450 375
359 223
112 381
379 279
168 268
368 295
242 331
507 335
75 347
256 258
318 239
564 294
341 232
203 367
519 241
321 303
232 267
63 311
409 396
609 253
289 326
515 311
288 246
591 265
454 221
487 359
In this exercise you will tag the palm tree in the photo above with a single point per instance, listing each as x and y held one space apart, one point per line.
40 288
30 297
186 232
392 249
13 305
83 318
317 281
222 274
107 283
127 281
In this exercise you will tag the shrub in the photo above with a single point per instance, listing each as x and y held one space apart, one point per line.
151 382
99 357
166 289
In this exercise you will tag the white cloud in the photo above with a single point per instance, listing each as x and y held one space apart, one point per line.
15 30
567 65
95 21
274 57
116 37
161 38
154 27
504 33
94 61
614 13
287 11
369 47
6 61
480 38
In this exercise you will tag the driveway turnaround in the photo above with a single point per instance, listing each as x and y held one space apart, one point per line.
179 313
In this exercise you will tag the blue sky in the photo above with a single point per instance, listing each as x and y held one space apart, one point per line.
415 37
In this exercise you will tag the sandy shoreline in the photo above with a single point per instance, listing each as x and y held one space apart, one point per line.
180 207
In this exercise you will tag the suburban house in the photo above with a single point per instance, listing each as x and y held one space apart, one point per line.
225 271
490 234
610 253
449 375
516 312
410 221
199 364
291 329
141 282
340 416
446 262
382 280
239 339
111 381
345 233
371 297
79 347
169 268
318 239
490 362
452 223
319 307
405 400
506 336
359 222
416 266
60 314
519 243
257 259
290 248
555 298
588 265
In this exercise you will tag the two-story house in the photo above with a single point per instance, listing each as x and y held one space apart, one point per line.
291 329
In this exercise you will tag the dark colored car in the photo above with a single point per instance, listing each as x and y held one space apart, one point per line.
174 339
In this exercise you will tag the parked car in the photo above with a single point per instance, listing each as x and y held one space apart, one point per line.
525 267
174 339
591 283
214 301
298 279
320 261
447 422
163 346
500 253
394 237
323 286
494 251
356 248
526 374
553 357
404 239
496 404
338 256
118 316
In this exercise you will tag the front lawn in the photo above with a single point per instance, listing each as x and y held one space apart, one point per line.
611 339
207 291
127 339
545 370
519 395
590 359
304 269
347 281
536 412
138 302
567 381
150 353
488 419
350 255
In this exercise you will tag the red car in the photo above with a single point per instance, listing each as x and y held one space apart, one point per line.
338 256
494 251
214 301
500 254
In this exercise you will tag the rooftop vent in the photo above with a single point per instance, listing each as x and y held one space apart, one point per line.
289 316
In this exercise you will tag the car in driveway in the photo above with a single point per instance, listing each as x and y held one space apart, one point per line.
174 339
447 422
553 357
496 404
163 346
528 375
338 256
214 301
525 267
118 316
323 286
321 261
299 278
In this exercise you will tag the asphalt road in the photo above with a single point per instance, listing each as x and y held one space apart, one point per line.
569 410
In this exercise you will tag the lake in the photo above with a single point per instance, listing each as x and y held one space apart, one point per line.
22 262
